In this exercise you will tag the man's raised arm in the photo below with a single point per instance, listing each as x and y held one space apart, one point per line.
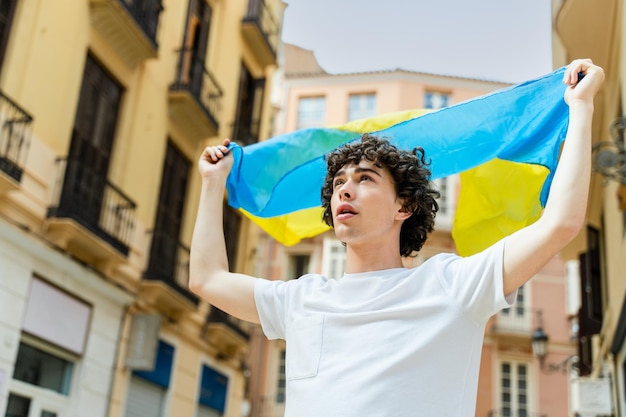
529 249
209 277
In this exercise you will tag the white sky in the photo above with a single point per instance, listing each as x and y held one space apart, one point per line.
497 40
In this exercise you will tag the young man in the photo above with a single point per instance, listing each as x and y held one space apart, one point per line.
384 340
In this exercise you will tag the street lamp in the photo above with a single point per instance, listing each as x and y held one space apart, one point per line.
540 351
540 345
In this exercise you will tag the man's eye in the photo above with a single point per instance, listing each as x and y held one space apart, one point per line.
366 178
338 182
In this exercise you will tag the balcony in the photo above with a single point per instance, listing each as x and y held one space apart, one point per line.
14 143
195 98
90 217
260 30
514 326
166 280
226 333
129 27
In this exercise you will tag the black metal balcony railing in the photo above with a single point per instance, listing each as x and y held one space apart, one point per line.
193 77
146 13
14 137
218 316
169 263
260 14
86 196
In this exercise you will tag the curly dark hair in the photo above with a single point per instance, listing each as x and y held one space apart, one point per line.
411 177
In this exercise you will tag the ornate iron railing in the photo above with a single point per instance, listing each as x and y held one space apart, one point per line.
169 263
193 77
218 316
146 13
86 196
259 14
14 137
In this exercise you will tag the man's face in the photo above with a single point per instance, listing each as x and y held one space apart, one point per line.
364 205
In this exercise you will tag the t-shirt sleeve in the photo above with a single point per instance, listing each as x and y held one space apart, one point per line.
270 298
476 282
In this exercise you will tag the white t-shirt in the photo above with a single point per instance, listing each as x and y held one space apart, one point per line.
394 343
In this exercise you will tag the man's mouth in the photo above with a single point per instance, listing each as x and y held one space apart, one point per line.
344 212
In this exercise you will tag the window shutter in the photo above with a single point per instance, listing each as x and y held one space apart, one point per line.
144 399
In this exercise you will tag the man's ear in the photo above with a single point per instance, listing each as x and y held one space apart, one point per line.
403 214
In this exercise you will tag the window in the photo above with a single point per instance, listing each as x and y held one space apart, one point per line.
514 401
281 382
41 380
436 100
334 259
361 106
297 265
441 185
311 112
17 406
213 388
448 188
519 315
42 369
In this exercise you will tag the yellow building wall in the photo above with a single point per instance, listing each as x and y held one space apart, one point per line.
43 71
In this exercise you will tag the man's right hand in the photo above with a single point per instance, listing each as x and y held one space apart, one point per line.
216 161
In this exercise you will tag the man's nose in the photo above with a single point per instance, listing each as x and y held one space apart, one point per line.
347 190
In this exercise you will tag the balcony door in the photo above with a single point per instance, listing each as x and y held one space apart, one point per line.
90 149
196 43
165 241
249 105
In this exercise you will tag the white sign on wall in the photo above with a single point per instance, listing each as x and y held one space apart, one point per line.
56 316
143 341
592 396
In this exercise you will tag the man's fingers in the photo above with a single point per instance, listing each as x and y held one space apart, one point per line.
577 69
215 153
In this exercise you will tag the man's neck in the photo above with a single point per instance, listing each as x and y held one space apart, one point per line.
368 258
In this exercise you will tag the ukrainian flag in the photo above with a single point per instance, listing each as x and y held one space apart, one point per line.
504 145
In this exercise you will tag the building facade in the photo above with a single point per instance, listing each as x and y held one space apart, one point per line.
511 380
584 30
105 106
